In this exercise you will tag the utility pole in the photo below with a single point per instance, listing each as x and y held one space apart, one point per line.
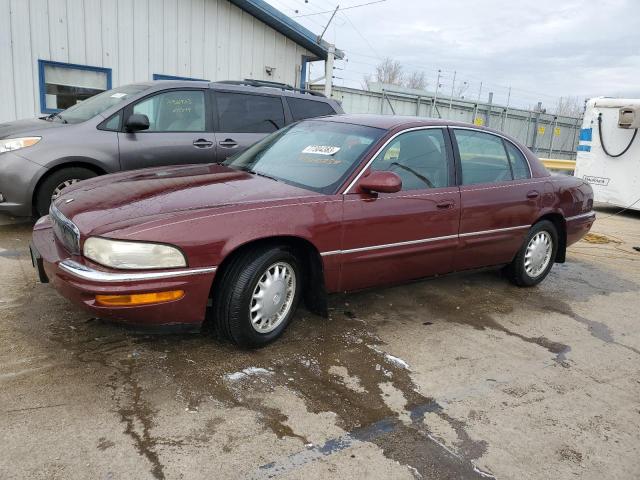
489 108
328 64
453 85
535 126
328 71
506 110
435 96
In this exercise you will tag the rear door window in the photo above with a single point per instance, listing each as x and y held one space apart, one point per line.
483 157
519 164
241 113
301 109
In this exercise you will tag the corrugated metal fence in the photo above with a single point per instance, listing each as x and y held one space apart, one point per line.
547 135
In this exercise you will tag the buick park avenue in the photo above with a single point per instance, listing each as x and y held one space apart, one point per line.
325 205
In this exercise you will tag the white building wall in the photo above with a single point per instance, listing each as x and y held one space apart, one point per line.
210 39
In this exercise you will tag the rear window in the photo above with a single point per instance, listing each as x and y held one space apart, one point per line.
301 109
241 113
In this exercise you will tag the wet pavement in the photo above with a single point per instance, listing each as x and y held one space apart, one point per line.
461 377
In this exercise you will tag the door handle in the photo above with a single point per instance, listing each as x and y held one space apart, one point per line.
445 204
202 143
533 194
228 143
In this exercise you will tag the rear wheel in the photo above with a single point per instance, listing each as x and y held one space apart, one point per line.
55 183
257 296
535 259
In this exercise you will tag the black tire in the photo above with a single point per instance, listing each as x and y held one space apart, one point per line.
233 299
517 271
51 182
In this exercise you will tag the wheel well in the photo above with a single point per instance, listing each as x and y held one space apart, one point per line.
62 166
561 227
313 288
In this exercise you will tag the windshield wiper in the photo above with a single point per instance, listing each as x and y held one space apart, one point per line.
260 174
57 115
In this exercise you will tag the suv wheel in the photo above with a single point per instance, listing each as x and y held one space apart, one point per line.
535 259
53 185
257 296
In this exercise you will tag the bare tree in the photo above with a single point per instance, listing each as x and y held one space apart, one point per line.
389 71
416 80
569 107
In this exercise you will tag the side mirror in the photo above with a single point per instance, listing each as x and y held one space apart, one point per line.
137 122
382 182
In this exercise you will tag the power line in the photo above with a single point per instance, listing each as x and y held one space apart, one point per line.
343 8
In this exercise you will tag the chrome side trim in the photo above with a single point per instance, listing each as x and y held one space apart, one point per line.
417 242
364 169
388 245
82 271
582 215
495 230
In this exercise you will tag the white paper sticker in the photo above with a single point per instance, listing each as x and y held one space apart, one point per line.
321 149
118 95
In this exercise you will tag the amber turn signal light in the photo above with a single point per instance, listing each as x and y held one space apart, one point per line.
138 298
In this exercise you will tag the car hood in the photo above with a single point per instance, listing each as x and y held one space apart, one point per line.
113 202
29 126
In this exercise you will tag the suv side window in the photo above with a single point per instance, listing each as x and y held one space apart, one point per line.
482 157
519 164
301 109
241 113
419 158
174 111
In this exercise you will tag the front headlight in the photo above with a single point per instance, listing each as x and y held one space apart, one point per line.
132 255
11 144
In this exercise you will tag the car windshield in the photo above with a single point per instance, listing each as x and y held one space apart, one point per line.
97 104
315 155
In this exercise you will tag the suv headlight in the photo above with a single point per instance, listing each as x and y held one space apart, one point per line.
132 255
11 144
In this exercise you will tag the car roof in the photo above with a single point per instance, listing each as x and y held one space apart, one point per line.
240 86
390 122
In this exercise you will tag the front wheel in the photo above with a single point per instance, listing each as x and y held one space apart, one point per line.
535 259
55 183
257 296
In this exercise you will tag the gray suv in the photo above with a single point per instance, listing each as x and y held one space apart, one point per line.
142 125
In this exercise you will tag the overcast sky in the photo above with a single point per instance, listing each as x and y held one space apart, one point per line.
543 49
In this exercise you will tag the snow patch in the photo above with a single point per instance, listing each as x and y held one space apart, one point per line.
246 373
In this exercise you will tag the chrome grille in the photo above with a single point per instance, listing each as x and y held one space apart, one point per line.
65 230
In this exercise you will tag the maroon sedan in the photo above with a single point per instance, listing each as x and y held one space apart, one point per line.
326 205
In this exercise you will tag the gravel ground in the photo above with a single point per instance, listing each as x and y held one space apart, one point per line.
459 377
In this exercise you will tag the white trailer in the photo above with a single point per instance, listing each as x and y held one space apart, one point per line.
609 151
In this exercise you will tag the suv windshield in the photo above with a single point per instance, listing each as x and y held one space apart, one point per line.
97 104
316 155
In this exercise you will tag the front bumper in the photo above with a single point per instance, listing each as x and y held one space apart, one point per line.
18 177
80 281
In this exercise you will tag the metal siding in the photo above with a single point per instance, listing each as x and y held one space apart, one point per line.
7 106
197 39
140 47
76 32
93 32
110 38
184 39
170 29
211 39
22 70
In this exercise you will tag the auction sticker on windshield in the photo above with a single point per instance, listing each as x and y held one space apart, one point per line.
321 149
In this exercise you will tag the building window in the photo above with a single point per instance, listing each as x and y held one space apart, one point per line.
62 85
160 76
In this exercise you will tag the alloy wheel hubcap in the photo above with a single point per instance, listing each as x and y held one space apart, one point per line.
538 254
272 297
58 190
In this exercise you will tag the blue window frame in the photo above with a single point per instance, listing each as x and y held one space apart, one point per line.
64 84
161 76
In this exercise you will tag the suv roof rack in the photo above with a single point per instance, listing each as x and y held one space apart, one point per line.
265 83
